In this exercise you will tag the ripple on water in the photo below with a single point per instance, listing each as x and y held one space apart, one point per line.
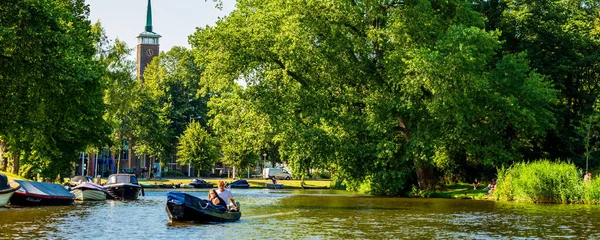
271 214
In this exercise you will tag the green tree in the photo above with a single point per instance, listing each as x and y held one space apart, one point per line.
51 95
198 148
378 92
242 132
119 95
171 84
562 43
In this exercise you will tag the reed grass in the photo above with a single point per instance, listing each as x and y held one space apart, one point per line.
542 182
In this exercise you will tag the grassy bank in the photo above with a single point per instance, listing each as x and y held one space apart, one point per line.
459 191
546 182
12 176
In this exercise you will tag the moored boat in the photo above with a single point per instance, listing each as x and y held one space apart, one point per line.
6 189
123 186
238 184
183 207
274 185
89 192
41 194
200 183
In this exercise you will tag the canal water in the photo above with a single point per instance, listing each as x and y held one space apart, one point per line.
307 214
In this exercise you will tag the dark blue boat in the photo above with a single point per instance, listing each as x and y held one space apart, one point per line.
239 184
183 207
41 194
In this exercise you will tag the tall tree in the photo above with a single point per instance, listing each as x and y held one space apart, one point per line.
562 43
242 132
52 94
171 82
197 148
377 90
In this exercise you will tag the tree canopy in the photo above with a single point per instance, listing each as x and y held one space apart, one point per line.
51 95
377 90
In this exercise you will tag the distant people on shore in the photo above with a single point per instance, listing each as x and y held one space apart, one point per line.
491 186
273 180
475 184
587 177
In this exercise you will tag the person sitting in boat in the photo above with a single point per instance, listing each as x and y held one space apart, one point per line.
226 194
216 200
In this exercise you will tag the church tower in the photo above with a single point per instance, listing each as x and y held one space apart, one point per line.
147 47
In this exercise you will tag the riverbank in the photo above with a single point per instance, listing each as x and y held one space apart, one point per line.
254 183
12 176
457 191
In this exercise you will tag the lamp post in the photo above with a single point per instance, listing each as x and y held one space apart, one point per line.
264 159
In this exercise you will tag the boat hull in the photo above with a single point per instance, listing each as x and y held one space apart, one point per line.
89 195
182 213
6 194
26 199
124 191
274 186
182 207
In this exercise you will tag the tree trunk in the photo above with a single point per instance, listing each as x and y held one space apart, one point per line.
119 161
3 160
15 163
425 178
423 170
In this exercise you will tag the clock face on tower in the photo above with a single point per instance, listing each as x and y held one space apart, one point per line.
149 52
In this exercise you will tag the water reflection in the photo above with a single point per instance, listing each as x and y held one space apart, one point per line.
310 214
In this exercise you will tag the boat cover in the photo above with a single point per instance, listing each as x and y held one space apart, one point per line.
44 189
4 182
180 198
89 185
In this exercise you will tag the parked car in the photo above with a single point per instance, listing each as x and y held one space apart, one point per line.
199 183
278 173
238 184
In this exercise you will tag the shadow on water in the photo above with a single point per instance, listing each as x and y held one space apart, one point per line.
313 214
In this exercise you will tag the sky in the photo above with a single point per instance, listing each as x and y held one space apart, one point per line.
174 20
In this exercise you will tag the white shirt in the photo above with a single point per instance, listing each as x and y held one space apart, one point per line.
225 195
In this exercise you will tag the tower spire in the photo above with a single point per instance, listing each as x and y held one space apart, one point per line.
149 18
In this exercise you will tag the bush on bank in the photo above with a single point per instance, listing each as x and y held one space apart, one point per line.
545 182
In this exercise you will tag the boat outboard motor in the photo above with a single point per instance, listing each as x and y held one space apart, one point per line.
4 182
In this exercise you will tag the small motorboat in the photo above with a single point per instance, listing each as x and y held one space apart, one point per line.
274 185
183 207
200 183
239 184
41 194
7 189
89 191
123 186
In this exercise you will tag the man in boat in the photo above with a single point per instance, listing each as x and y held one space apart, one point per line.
227 196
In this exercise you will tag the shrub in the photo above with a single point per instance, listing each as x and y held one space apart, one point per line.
172 174
540 182
592 191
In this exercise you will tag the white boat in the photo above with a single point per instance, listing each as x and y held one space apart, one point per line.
89 192
7 189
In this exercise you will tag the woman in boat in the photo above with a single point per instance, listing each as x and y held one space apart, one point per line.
215 199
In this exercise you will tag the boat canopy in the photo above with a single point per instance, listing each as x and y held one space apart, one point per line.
42 188
79 180
122 178
4 182
89 185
